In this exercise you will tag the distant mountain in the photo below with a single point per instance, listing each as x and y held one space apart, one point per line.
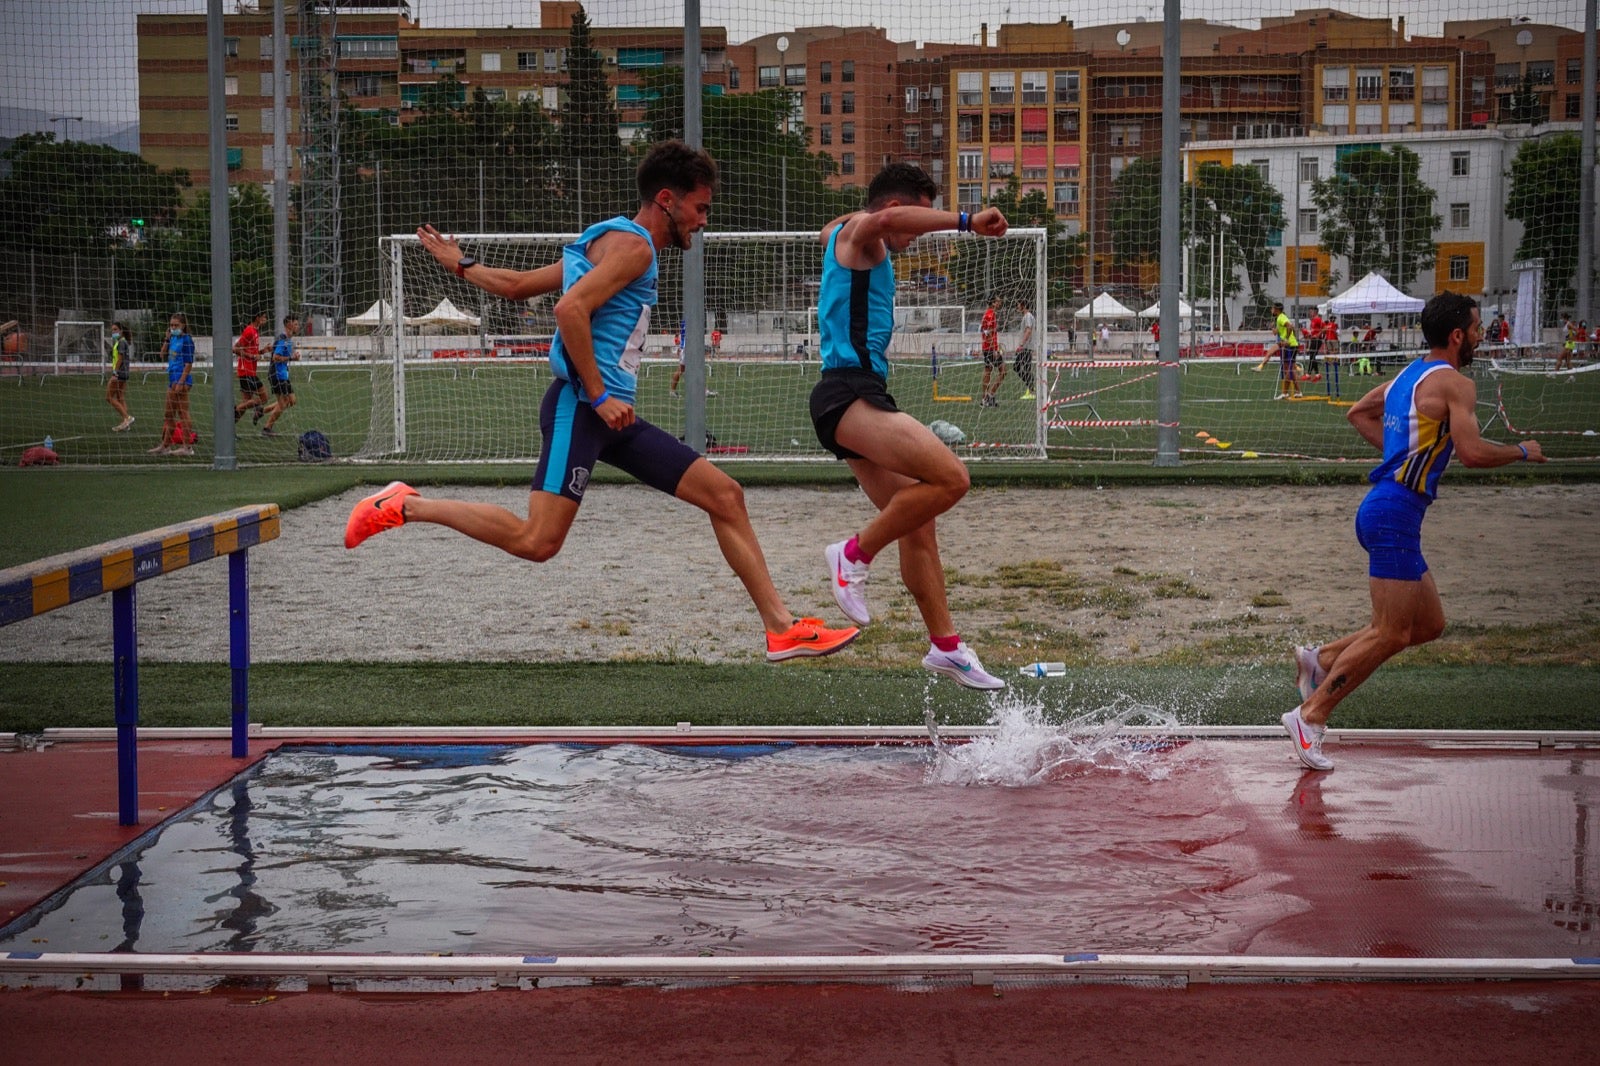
15 121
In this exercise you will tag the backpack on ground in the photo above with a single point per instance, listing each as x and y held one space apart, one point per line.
314 447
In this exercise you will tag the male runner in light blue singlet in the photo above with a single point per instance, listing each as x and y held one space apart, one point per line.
910 474
1418 420
607 278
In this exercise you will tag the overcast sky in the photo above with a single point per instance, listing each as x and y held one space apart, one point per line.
78 57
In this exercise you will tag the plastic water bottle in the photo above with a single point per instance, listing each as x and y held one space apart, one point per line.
1045 670
49 442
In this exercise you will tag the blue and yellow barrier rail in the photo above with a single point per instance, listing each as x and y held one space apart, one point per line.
117 567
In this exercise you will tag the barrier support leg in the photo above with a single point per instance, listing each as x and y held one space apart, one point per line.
239 647
125 700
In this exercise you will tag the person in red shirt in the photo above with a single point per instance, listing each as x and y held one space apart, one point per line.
248 349
1314 338
993 362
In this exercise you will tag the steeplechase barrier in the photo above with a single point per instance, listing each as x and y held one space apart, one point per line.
117 567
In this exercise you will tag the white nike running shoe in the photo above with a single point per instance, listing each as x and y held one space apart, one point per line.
848 580
1307 740
1308 671
962 665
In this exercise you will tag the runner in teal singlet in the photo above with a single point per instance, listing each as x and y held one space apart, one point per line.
1418 420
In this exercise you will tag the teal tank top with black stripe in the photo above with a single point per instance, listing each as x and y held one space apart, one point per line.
855 312
621 324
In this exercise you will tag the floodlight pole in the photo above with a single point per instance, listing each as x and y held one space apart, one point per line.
224 457
1167 376
1586 176
694 258
280 167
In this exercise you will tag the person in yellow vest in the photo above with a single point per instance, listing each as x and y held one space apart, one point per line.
1288 352
117 386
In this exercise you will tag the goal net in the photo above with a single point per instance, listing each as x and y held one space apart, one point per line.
469 390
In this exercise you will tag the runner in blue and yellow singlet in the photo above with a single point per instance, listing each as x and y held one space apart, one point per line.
1419 420
607 278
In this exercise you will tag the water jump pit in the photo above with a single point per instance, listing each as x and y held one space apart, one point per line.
1117 846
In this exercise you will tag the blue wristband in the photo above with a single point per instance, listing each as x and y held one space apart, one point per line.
605 394
1524 448
962 222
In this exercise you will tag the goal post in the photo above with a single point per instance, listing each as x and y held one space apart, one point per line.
470 392
80 346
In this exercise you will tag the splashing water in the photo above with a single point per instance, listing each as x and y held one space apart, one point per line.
1028 748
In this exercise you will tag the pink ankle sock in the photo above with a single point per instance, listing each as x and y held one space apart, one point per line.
853 552
950 643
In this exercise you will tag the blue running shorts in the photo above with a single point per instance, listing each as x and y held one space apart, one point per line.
575 438
1389 527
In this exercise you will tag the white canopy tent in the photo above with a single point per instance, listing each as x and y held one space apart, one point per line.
1373 295
1104 306
446 316
380 313
1154 310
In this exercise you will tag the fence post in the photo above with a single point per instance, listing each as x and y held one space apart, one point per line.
125 698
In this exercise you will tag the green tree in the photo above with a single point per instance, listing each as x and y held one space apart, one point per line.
1525 106
1237 204
181 277
67 211
597 173
1136 211
1377 213
1544 198
972 263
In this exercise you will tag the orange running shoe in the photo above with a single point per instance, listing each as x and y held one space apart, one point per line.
383 510
807 637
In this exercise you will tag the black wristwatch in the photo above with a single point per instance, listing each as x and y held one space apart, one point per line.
463 263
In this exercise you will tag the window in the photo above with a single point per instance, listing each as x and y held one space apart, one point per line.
937 138
1369 118
968 195
1336 84
1480 92
489 61
969 128
230 47
493 96
1402 118
269 120
847 162
230 123
1308 272
1435 117
1310 170
794 75
1263 167
1127 136
913 136
1066 123
733 77
368 85
1460 267
266 83
913 101
1033 87
554 59
847 103
368 47
1542 71
1002 87
1435 85
1460 216
1460 164
1066 86
1067 198
552 97
1508 75
1308 220
1574 71
969 88
969 165
230 85
528 95
825 133
266 46
1575 107
825 104
767 77
527 60
1369 83
1002 126
938 99
847 70
847 133
236 157
1402 83
825 71
1336 118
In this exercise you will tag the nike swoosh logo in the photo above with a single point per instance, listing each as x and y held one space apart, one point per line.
1305 744
838 574
381 500
965 668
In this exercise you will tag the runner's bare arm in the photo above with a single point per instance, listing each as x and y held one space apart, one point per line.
497 281
1461 396
1367 416
618 259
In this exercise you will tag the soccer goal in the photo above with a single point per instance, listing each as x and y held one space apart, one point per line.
1558 408
473 395
80 347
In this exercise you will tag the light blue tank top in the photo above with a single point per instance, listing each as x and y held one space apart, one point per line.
855 313
1416 448
621 324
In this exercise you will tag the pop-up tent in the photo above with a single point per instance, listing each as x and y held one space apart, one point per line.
1373 295
446 316
379 314
1154 310
1104 306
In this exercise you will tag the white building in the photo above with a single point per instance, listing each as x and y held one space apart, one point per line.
1467 169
